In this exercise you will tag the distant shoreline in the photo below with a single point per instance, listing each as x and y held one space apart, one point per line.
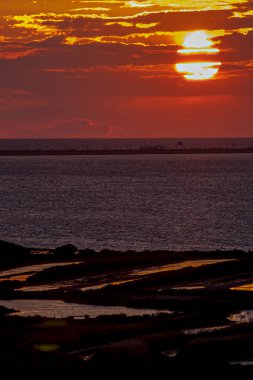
116 152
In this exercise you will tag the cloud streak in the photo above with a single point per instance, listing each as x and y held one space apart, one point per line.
107 68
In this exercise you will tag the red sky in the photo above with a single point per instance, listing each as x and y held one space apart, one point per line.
80 68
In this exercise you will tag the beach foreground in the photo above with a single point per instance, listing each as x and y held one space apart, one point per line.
113 314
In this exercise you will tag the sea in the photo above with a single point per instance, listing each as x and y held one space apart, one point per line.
128 202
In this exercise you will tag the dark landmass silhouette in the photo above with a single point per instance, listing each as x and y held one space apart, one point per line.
204 337
112 152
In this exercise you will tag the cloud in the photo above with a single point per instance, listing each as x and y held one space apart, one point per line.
100 68
86 28
80 127
18 99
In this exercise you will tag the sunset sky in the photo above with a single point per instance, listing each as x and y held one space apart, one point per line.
79 68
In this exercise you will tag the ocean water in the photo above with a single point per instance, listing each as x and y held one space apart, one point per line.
183 202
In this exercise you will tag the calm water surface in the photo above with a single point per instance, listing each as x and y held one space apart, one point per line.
181 202
60 309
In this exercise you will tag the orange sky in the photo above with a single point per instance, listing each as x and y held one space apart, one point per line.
80 68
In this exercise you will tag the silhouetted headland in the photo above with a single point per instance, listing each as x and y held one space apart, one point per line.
142 150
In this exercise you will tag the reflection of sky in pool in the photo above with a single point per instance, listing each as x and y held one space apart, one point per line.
22 273
60 309
247 287
245 316
132 276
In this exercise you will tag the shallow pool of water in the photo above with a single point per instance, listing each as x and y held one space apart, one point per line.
189 287
98 282
244 316
177 266
242 363
22 273
246 288
60 309
203 330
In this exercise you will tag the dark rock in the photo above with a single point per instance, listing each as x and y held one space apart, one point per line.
10 249
4 311
12 255
66 250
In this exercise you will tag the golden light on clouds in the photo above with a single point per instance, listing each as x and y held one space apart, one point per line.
184 4
123 58
195 43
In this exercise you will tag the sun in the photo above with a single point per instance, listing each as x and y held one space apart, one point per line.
198 43
198 39
198 70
